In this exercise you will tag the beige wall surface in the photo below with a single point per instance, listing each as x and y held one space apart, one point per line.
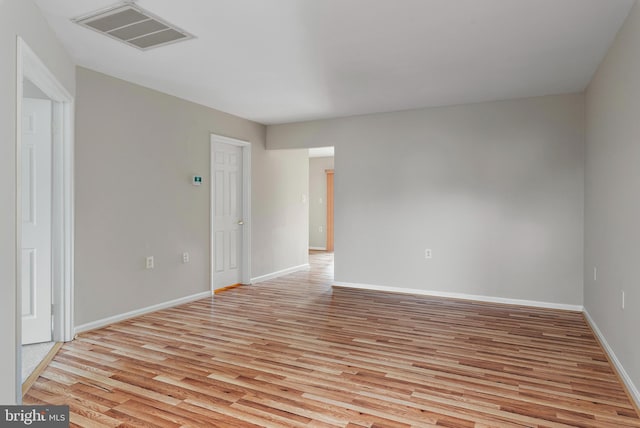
280 209
136 150
494 189
17 18
318 200
612 197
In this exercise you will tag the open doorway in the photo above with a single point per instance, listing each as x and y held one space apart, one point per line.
44 217
321 179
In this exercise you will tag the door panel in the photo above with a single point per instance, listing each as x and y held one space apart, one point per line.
29 282
36 220
219 251
28 185
227 208
233 250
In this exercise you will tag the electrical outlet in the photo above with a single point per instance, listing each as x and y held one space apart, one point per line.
150 262
428 254
622 303
185 257
595 273
320 229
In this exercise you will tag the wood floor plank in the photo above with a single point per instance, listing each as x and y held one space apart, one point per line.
295 352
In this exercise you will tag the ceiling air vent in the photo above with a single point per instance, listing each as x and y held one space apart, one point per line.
134 26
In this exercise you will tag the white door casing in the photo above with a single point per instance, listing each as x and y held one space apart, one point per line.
227 211
36 220
29 66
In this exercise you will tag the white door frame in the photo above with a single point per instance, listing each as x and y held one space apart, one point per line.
245 274
31 67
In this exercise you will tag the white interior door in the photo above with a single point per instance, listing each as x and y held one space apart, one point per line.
228 221
36 220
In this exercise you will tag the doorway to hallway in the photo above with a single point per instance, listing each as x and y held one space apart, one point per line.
321 179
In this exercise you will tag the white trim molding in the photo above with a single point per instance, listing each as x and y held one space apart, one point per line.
318 248
142 311
633 390
279 273
31 67
479 298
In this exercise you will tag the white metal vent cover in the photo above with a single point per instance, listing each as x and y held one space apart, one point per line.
134 26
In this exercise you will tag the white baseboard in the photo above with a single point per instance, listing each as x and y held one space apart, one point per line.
519 302
633 390
121 317
318 248
276 274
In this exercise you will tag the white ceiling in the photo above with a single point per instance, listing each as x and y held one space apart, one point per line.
276 61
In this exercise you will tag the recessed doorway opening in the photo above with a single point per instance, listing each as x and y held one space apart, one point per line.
44 209
321 202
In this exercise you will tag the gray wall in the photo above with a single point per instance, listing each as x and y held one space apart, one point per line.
136 150
29 90
17 18
280 230
612 198
318 200
494 189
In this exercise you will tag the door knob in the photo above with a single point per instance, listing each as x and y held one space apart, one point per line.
240 222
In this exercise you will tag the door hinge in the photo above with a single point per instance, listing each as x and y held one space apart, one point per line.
52 309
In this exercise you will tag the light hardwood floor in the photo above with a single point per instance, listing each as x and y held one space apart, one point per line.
293 352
